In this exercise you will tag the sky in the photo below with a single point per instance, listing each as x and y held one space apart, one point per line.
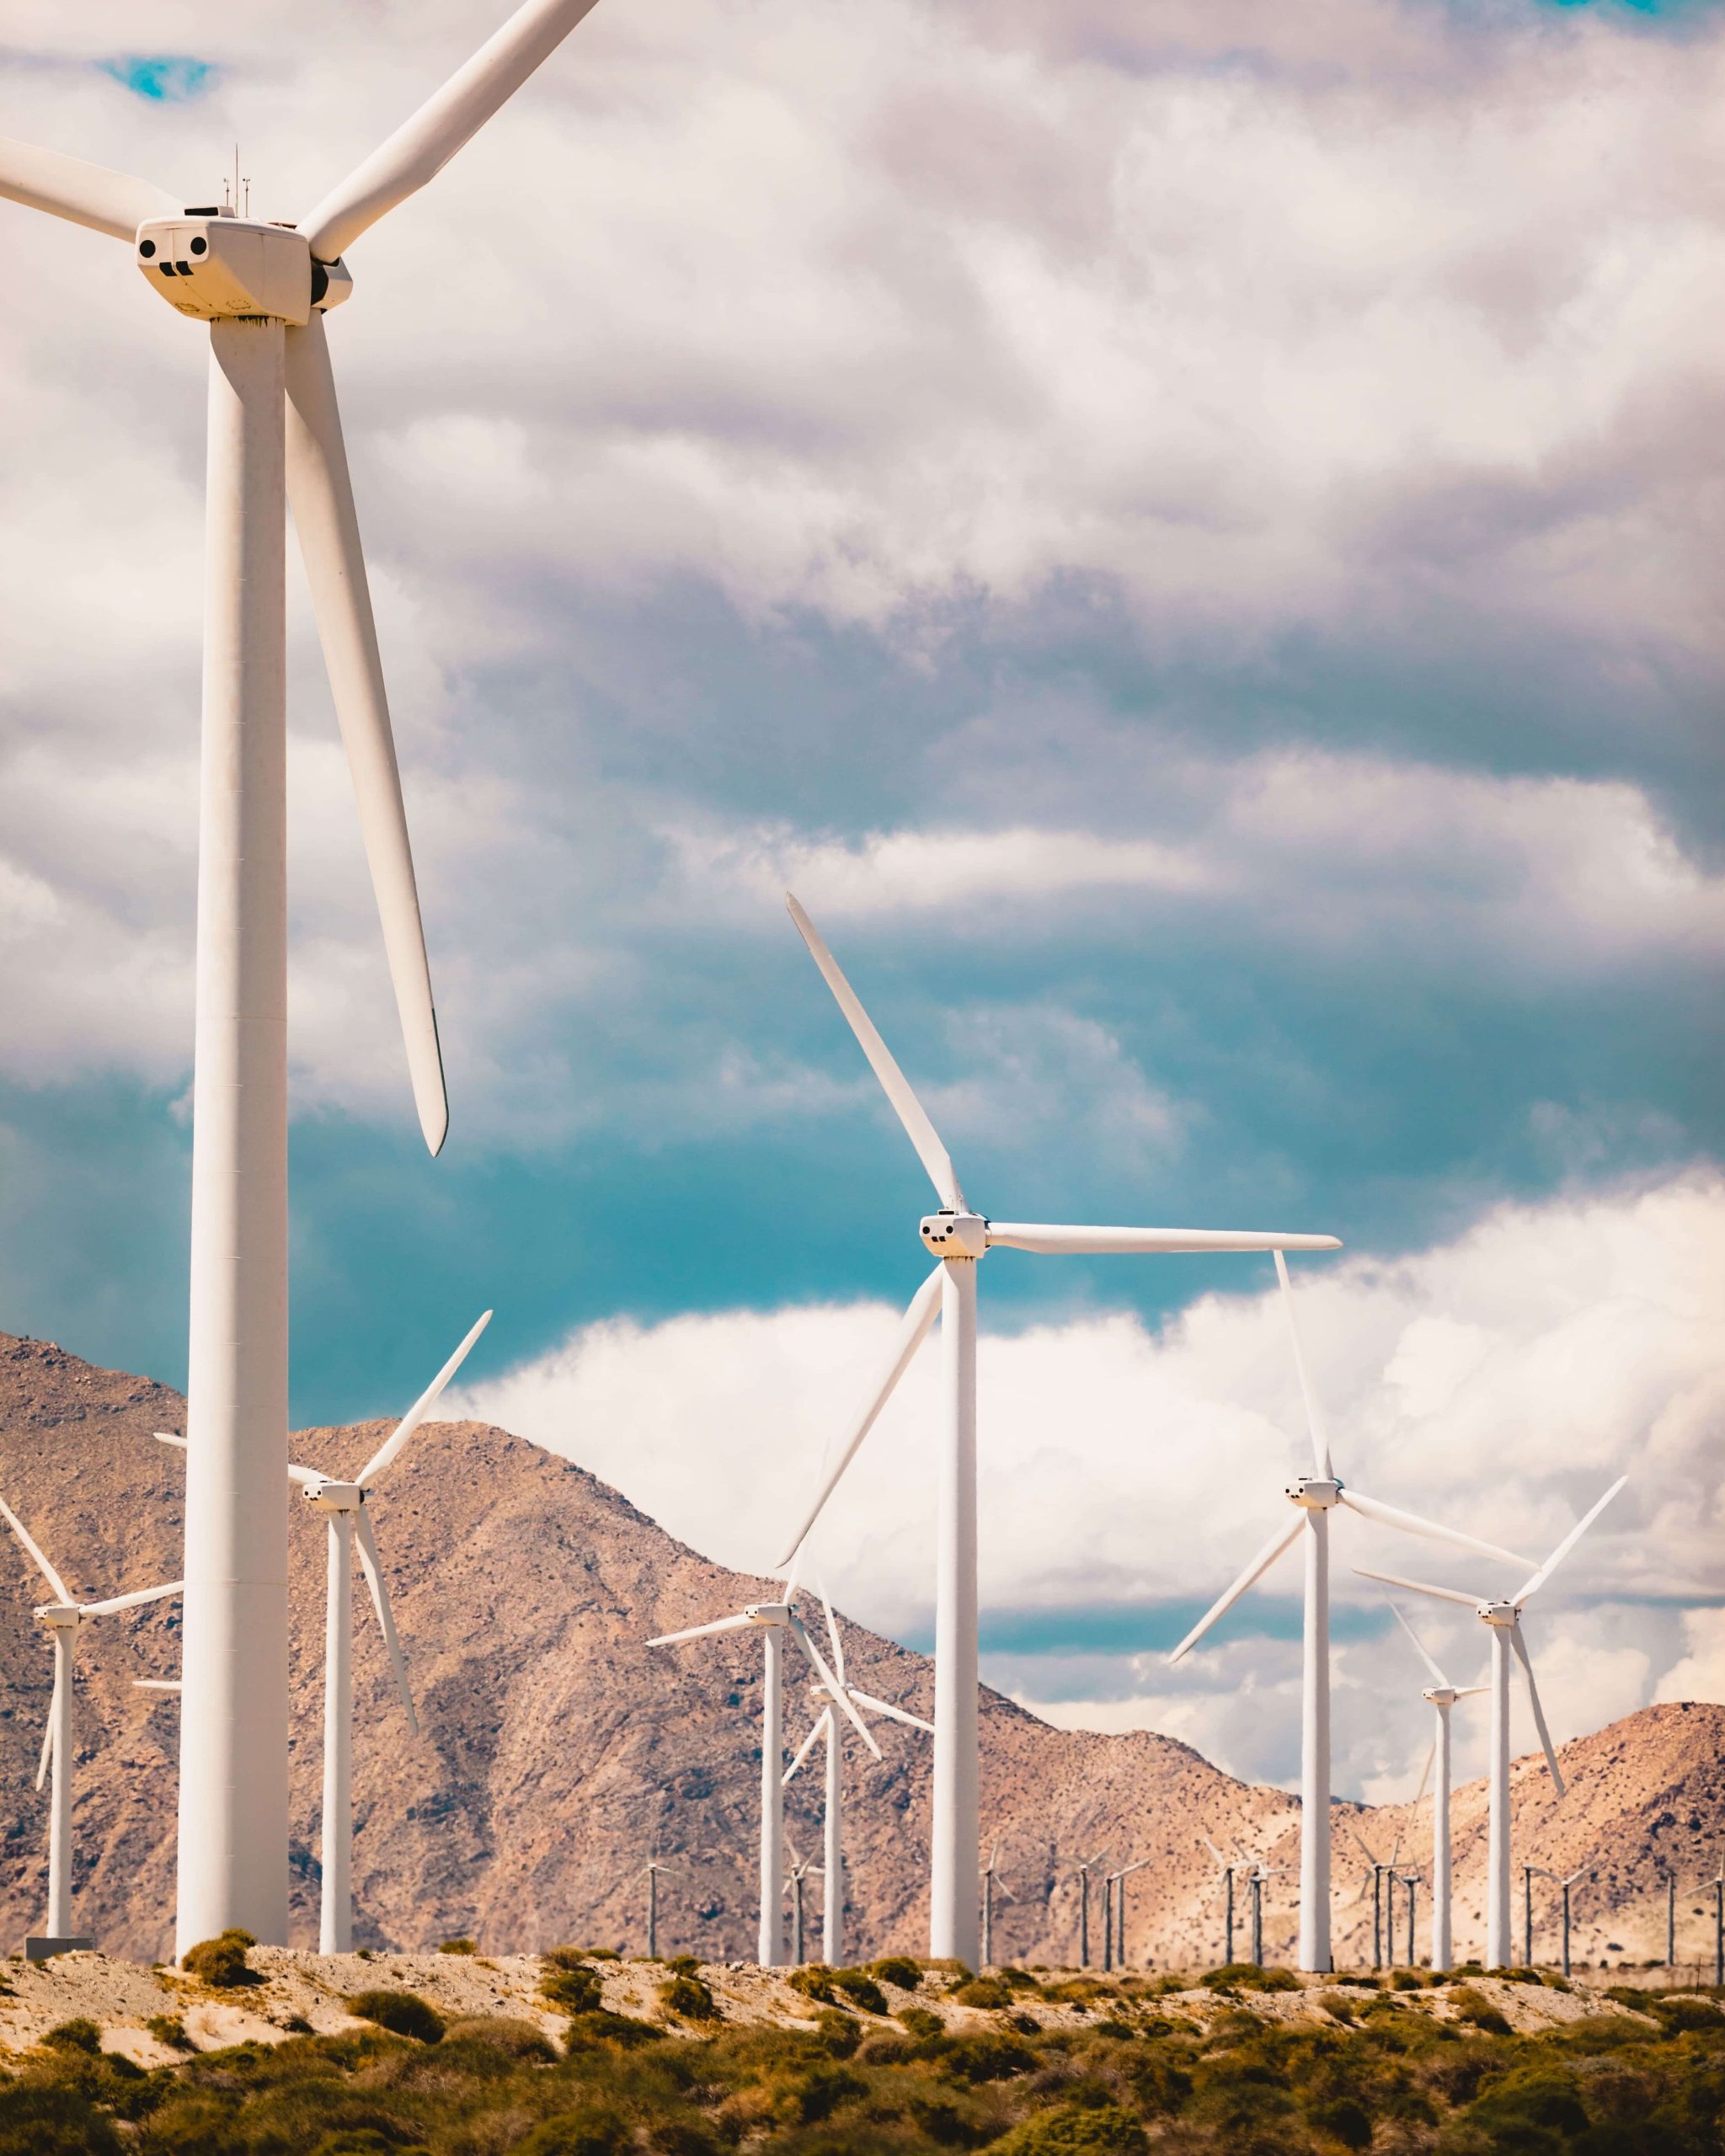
1187 533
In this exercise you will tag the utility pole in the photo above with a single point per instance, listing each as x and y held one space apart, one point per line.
1411 1881
1107 1921
1670 1920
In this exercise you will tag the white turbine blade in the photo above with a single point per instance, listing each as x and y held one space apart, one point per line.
1360 1838
1131 1868
704 1631
62 1592
421 146
836 1691
1283 1539
1420 1649
1412 1523
1472 1691
386 1621
47 1759
1572 1877
893 1714
909 1111
832 1633
111 202
168 1437
1214 1851
1054 1241
133 1601
1420 1587
420 1409
1533 1697
321 495
1314 1421
306 1474
913 1330
1567 1543
156 1684
806 1747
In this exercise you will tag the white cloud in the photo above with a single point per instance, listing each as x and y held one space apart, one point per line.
1499 1382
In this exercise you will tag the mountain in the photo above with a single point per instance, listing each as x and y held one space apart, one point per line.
558 1751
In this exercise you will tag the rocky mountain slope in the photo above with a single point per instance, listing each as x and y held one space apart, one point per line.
558 1751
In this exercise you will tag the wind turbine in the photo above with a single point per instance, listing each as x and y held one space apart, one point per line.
348 1523
1113 1899
1314 1497
826 1729
61 1620
992 1884
773 1619
1410 1880
1229 1866
650 1872
1443 1696
1502 1615
1376 1869
1565 1884
958 1238
801 1868
1087 1865
275 440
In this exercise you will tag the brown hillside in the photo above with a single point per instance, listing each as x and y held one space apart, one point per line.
558 1751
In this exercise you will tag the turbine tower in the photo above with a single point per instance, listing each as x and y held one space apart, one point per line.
1501 1615
1443 1696
959 1238
61 1620
274 439
1314 1496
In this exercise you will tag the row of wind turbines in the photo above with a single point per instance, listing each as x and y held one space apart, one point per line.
274 444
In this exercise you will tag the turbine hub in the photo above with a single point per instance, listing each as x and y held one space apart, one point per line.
1504 1614
768 1613
334 1497
955 1235
219 269
1314 1493
60 1616
1441 1695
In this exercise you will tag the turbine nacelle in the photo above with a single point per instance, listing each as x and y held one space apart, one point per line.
60 1616
949 1234
1506 1615
768 1613
325 1497
1314 1493
1442 1695
218 269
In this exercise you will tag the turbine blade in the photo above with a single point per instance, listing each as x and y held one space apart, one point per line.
1314 1421
157 1685
1283 1539
111 202
62 1592
305 1475
1567 1543
47 1759
1539 1712
913 1329
386 1621
1419 1645
832 1633
1055 1241
1420 1587
168 1437
133 1601
909 1111
836 1691
421 1408
1412 1523
421 146
702 1631
894 1713
803 1750
321 495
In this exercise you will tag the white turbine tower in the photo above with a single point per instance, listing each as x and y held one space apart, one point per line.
274 439
959 1238
343 1507
61 1620
1443 1696
1501 1615
826 1728
1314 1496
773 1620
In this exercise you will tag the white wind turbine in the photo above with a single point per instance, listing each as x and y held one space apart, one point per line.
349 1525
275 440
959 1239
1443 1696
773 1620
826 1728
61 1620
1501 1615
1314 1496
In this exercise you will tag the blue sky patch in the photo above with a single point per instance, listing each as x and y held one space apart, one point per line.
163 77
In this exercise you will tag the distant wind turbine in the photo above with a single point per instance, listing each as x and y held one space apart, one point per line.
801 1868
1376 1870
1443 1696
959 1239
1502 1615
1113 1911
275 440
992 1884
61 1620
1229 1866
1314 1496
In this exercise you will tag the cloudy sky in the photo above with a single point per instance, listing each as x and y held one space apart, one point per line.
1189 532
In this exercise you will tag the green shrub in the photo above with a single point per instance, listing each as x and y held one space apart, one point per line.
813 1979
567 1982
897 1969
169 2028
80 2035
990 2056
1249 1976
39 2121
457 1947
1407 1980
984 1991
919 2022
621 2032
1474 2009
860 1989
686 1996
1343 2119
1075 2129
220 1962
592 2131
1518 1976
1679 2015
505 2034
1337 2005
403 2012
840 2032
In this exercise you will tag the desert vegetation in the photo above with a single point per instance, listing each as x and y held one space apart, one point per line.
1369 2067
